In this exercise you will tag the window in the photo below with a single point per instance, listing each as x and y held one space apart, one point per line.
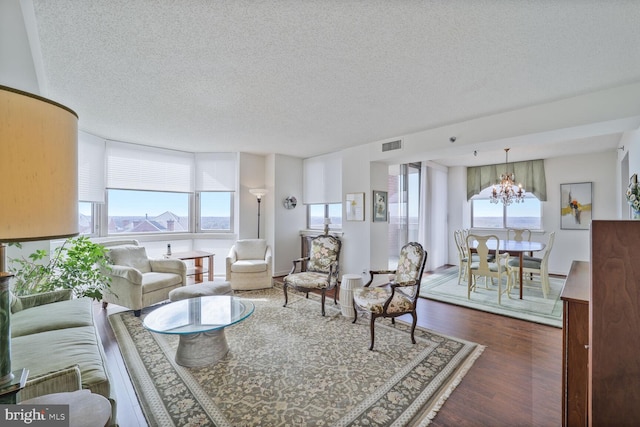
134 211
485 214
215 211
318 212
87 218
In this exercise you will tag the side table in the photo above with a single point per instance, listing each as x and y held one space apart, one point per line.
86 409
348 284
9 390
199 269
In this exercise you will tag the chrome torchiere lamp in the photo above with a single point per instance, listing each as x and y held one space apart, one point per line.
507 191
39 188
259 193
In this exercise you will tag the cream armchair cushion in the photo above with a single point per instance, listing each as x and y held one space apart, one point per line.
137 281
249 265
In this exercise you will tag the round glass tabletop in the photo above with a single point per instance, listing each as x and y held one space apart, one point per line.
201 314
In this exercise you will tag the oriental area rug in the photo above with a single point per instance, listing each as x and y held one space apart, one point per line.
289 366
533 307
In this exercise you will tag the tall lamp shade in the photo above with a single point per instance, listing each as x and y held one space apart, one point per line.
38 185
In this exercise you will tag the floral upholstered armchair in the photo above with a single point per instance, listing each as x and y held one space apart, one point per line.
399 296
321 272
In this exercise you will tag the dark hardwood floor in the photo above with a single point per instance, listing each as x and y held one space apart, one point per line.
515 382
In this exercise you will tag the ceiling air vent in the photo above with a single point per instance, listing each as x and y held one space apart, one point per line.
393 145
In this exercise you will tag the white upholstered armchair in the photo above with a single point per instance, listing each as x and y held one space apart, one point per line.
249 265
136 280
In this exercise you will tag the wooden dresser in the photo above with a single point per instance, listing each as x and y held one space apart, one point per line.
601 335
575 340
614 324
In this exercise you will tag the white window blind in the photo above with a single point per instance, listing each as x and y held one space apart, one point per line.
137 167
216 171
91 180
323 179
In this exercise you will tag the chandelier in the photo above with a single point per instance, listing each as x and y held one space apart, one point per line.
507 192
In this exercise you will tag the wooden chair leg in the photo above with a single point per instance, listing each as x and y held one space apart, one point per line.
373 333
323 298
413 326
286 299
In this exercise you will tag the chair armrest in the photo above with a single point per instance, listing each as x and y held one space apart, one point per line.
373 273
404 284
232 257
29 301
382 271
296 262
64 380
176 266
129 274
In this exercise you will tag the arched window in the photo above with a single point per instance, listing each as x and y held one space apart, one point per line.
485 214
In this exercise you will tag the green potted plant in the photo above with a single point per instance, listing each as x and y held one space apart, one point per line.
79 264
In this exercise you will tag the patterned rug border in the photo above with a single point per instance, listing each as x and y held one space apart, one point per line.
420 413
451 274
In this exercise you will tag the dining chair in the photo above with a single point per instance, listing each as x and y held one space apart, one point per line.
534 266
519 234
460 239
488 267
461 244
399 296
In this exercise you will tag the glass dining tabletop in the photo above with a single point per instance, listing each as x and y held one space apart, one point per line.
200 314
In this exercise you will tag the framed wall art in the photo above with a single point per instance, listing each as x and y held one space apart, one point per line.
355 206
380 206
576 206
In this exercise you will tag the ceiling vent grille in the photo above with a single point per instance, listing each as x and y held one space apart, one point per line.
393 145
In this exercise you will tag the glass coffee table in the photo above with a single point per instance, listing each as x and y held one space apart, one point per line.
200 323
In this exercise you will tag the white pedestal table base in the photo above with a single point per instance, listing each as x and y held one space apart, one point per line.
201 349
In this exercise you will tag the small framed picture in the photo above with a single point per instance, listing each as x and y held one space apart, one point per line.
575 206
380 206
355 206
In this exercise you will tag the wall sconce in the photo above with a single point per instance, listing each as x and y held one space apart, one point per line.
290 202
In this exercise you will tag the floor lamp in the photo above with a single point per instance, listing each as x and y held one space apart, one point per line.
38 192
259 193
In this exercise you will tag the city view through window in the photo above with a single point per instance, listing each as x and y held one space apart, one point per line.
131 211
517 215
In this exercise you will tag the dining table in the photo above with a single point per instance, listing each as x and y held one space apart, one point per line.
514 247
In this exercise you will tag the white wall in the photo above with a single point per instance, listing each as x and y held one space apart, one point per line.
286 175
356 239
457 207
16 62
252 175
379 248
435 221
598 168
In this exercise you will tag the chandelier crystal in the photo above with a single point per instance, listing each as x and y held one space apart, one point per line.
507 191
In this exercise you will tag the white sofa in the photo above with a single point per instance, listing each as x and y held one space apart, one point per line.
249 265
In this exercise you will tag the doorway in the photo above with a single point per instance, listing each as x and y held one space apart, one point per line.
404 212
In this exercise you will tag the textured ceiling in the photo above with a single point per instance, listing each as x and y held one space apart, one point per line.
304 78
